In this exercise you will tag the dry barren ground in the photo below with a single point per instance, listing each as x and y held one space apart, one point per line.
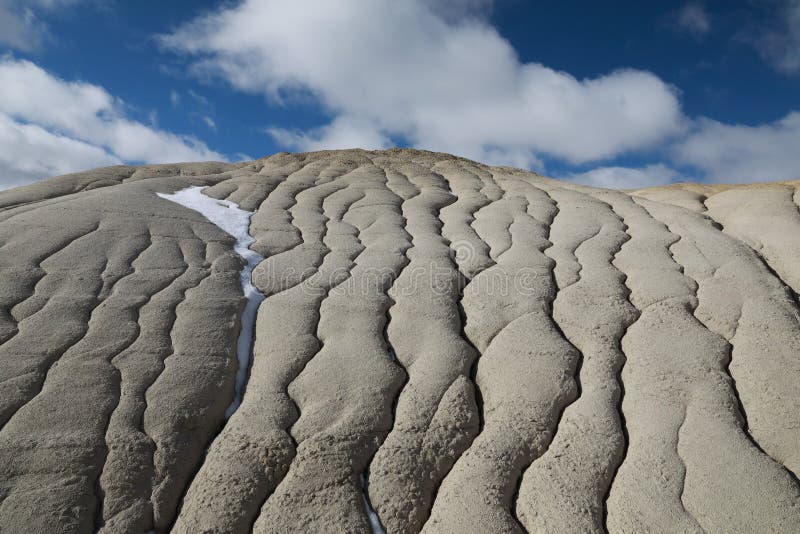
443 347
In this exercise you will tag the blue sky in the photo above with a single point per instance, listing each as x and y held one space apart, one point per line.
619 94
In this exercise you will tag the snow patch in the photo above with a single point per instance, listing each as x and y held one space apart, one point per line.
374 521
236 222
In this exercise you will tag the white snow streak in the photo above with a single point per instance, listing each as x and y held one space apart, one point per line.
374 521
236 222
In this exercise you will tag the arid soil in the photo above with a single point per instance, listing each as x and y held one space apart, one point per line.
443 347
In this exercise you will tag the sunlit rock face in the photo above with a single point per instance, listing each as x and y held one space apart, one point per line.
396 341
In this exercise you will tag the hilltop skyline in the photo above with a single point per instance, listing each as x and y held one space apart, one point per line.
623 96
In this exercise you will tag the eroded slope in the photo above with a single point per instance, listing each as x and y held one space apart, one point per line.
443 347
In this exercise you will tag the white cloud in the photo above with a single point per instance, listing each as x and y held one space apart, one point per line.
70 126
31 152
436 75
520 158
208 121
390 70
342 132
348 132
20 24
454 9
693 19
736 153
18 27
627 177
720 152
780 43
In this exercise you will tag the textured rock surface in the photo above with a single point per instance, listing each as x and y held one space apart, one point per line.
443 347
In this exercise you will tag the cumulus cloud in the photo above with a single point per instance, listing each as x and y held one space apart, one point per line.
627 177
779 42
435 74
31 152
389 71
348 132
52 126
692 18
510 157
343 132
737 153
713 151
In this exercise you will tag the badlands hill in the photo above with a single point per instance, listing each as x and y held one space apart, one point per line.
442 346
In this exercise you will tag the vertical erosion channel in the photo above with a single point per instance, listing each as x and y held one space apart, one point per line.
236 222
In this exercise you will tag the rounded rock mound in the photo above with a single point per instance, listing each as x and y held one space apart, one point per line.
412 342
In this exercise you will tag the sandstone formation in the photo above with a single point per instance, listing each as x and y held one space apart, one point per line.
442 347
